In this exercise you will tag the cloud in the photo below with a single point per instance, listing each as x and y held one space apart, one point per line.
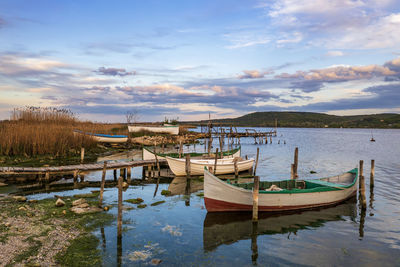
334 53
246 38
114 72
253 74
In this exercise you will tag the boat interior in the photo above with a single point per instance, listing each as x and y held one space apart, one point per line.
337 181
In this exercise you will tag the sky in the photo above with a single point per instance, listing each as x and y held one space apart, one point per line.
186 59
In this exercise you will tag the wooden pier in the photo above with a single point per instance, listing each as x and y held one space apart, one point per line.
79 168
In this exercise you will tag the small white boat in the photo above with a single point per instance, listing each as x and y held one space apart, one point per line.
105 138
149 155
292 195
166 128
224 166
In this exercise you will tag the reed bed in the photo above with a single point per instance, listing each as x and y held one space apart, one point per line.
35 131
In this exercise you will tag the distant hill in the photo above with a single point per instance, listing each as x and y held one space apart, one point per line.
311 120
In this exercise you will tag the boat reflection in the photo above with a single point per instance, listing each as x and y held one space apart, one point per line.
230 227
180 186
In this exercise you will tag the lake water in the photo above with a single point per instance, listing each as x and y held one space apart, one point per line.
181 233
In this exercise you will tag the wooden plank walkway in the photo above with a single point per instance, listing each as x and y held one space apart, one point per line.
79 168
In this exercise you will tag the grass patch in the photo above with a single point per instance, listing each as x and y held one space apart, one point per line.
201 194
134 200
165 192
142 206
81 252
157 203
31 251
88 195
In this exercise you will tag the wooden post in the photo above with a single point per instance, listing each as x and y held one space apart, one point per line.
360 173
235 160
82 177
270 139
47 177
220 147
187 166
158 165
75 177
371 178
82 154
209 146
103 181
115 175
255 197
180 149
129 175
296 161
162 146
119 218
255 166
122 173
215 162
363 199
254 247
144 172
292 176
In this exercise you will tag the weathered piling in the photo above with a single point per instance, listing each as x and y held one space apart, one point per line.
255 197
292 171
220 147
363 199
128 174
180 149
254 247
158 166
235 160
122 173
360 172
255 166
371 178
119 218
103 181
215 162
75 177
296 162
47 177
82 154
187 166
115 175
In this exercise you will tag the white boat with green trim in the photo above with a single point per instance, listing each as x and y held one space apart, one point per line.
150 155
166 128
279 195
223 166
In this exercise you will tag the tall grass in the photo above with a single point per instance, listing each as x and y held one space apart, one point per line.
35 131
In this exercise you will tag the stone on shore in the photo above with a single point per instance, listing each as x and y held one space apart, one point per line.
78 202
19 198
59 202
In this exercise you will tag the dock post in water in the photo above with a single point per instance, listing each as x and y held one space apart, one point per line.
255 197
215 162
296 162
103 181
82 154
129 174
220 147
119 218
292 171
180 149
360 173
371 178
255 166
75 178
115 175
235 160
158 166
187 165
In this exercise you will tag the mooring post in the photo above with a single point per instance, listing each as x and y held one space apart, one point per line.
103 181
119 218
158 165
296 161
270 139
362 191
82 177
371 178
115 175
292 176
220 147
254 247
129 174
235 162
255 197
162 146
209 145
215 162
82 154
47 177
75 178
360 172
122 173
255 166
143 172
187 165
180 149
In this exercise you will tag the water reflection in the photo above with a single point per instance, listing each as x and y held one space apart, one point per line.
180 186
230 227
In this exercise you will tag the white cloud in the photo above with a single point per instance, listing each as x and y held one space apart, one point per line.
334 53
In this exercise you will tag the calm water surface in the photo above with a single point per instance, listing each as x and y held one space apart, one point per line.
181 233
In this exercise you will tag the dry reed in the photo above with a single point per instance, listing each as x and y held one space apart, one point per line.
48 131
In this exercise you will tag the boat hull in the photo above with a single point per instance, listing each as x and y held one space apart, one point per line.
174 130
148 155
221 196
224 166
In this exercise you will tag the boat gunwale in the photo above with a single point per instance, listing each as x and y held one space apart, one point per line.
194 154
298 191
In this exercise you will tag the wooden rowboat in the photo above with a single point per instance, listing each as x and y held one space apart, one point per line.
149 155
105 138
295 194
166 128
224 166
